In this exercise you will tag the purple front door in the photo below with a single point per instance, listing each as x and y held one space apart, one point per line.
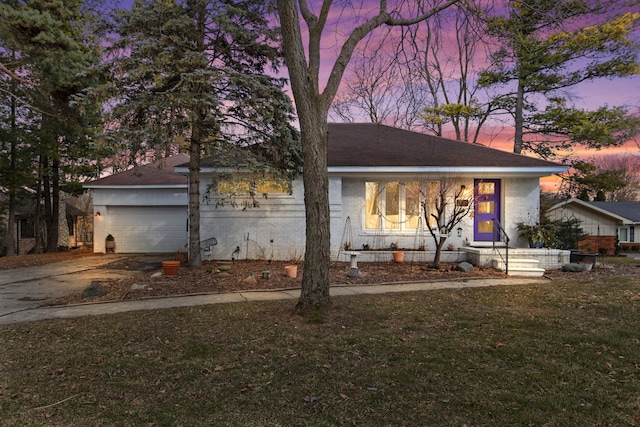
487 208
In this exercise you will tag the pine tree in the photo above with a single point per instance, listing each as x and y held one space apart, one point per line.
55 45
196 71
545 49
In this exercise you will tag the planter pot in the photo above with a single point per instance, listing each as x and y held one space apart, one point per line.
536 245
170 268
291 271
398 256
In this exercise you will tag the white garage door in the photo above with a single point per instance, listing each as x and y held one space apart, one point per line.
151 229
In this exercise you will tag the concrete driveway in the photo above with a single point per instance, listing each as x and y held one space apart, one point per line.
26 288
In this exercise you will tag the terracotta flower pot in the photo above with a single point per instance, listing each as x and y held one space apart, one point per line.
398 256
291 271
170 268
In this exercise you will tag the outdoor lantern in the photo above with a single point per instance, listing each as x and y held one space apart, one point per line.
459 230
98 213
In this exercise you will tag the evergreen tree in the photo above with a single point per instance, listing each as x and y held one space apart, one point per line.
545 49
195 71
588 181
54 44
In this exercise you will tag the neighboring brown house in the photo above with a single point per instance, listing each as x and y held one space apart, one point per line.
606 223
72 231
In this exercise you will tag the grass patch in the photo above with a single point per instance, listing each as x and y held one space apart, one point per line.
563 353
619 260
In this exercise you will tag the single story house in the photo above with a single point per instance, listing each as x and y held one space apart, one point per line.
379 177
604 222
143 208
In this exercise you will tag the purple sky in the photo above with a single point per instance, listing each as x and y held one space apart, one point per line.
616 92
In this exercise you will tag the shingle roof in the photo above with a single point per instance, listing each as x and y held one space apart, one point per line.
629 210
372 144
154 174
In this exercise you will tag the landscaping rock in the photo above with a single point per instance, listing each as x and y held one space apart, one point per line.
137 287
156 275
94 290
354 272
573 267
464 266
250 280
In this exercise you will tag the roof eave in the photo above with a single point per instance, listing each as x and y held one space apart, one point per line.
529 171
129 187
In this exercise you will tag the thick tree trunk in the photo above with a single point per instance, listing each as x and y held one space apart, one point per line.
194 204
438 254
197 137
312 115
37 222
11 235
11 225
46 198
519 118
54 212
315 279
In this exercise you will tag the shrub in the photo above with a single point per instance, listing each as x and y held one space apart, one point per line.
603 251
568 233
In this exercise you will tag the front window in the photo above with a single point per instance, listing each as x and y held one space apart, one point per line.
623 235
244 186
393 205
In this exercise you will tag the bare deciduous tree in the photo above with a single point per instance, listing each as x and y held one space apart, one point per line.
450 46
630 164
312 106
444 206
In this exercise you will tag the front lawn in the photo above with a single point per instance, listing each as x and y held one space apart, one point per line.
556 354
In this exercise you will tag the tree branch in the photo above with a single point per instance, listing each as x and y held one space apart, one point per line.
15 77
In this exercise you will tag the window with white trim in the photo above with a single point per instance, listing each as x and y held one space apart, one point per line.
393 205
623 235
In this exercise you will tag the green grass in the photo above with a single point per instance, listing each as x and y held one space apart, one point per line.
618 260
556 354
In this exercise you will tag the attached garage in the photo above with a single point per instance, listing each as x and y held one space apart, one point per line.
142 229
144 209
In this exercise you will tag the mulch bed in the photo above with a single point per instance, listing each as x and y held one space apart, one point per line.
247 275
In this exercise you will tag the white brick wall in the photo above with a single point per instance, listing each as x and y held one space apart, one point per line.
521 203
276 229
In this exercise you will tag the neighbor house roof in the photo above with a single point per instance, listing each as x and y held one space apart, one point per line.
629 210
372 145
158 174
625 212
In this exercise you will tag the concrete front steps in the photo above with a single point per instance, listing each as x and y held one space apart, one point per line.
521 267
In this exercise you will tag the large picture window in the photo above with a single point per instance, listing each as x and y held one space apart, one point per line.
393 205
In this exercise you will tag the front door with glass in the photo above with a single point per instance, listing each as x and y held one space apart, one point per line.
487 208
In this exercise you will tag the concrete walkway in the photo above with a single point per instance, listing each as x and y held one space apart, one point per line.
36 279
